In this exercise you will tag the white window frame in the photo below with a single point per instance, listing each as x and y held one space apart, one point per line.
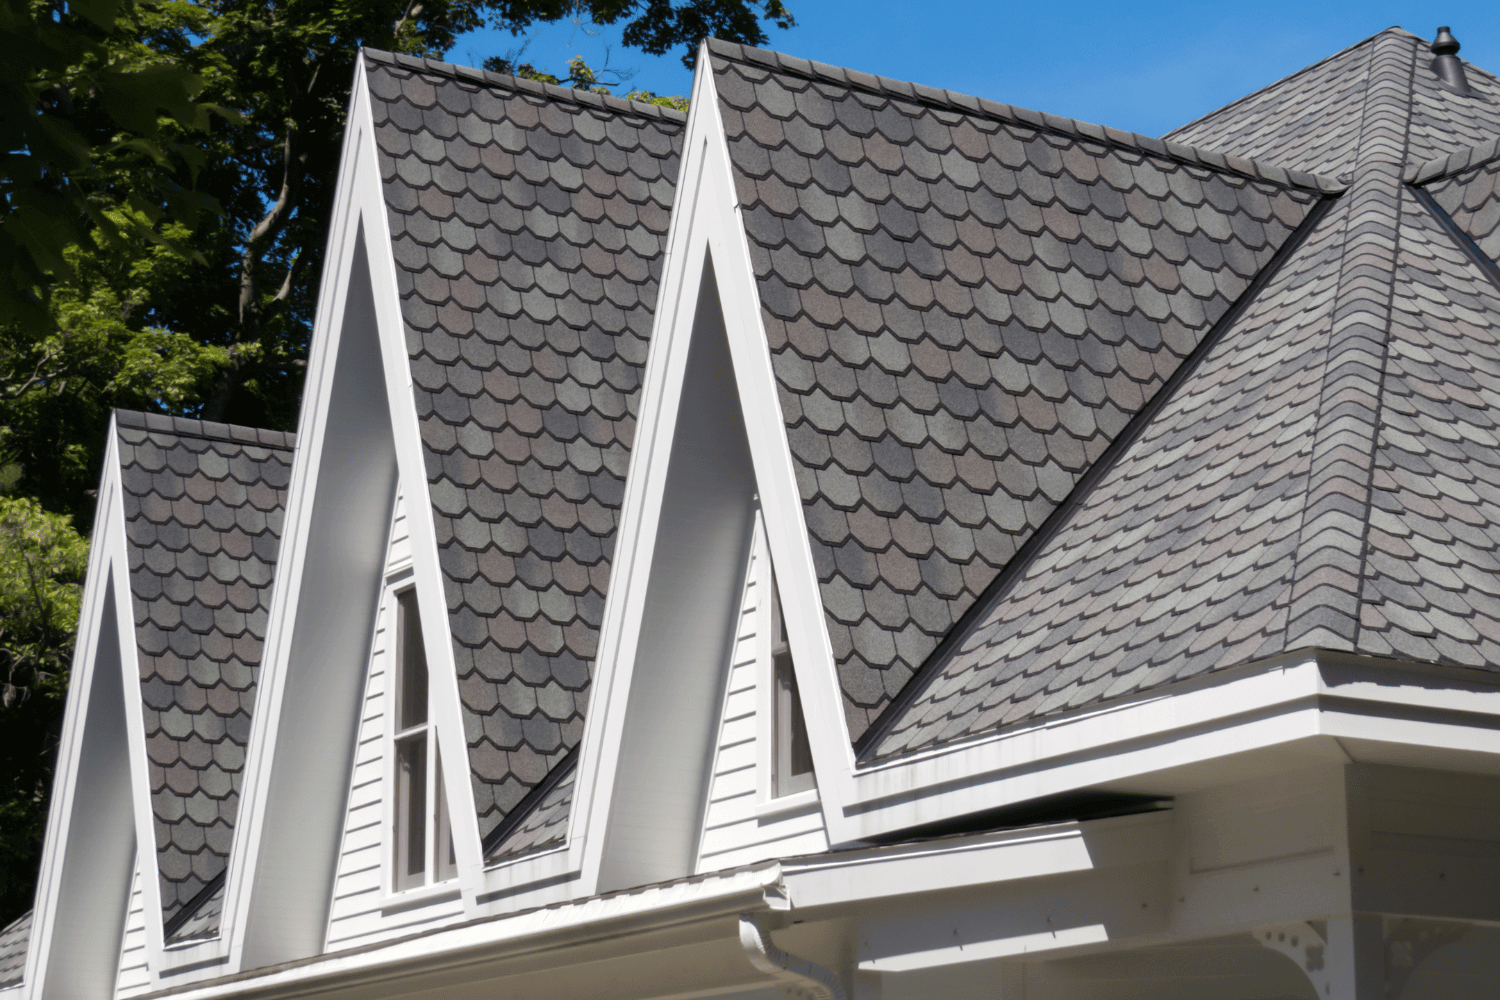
399 580
762 576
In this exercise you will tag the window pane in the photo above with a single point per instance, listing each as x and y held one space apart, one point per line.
411 811
446 866
411 659
793 767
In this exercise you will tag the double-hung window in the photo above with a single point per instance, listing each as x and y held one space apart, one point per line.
791 755
423 837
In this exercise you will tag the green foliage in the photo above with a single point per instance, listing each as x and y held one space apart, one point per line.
655 26
166 182
42 563
581 77
90 118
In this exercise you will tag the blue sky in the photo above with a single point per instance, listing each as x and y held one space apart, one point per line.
1147 67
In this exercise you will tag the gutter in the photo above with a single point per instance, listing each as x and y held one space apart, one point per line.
573 924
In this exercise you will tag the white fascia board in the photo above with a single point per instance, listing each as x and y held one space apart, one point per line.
1406 708
705 223
317 387
411 465
960 863
108 574
565 930
359 209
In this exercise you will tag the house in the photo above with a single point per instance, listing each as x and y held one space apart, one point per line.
851 540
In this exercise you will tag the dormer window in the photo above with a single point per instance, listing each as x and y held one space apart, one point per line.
791 755
423 837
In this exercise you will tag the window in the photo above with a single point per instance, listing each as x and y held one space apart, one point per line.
791 755
421 847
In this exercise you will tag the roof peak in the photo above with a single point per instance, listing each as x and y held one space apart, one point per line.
484 77
941 99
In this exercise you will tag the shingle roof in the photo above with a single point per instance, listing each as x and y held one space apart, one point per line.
203 519
1327 477
14 941
966 302
542 826
1311 120
529 224
1470 195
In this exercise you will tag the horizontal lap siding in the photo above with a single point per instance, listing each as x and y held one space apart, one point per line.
356 917
733 835
134 976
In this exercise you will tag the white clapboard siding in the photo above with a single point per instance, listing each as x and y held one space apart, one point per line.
134 976
357 916
733 833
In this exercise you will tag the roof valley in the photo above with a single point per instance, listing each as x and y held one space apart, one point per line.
1328 568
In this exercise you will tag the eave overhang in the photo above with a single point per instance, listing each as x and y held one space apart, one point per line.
1298 708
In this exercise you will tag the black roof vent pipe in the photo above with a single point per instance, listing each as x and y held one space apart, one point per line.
1446 64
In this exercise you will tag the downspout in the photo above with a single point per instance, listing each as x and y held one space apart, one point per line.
796 977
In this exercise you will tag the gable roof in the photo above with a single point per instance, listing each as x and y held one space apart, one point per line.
1326 478
203 505
966 302
528 224
1311 119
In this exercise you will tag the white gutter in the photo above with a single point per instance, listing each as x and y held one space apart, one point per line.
563 925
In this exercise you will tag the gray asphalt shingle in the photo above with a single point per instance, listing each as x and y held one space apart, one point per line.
990 298
203 520
529 225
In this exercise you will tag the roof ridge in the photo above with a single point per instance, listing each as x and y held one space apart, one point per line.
866 748
1310 67
206 429
970 105
1345 436
1453 163
607 102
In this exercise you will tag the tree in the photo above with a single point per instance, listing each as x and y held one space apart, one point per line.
42 562
581 77
85 105
165 186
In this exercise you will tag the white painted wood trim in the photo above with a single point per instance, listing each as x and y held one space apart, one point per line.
323 349
705 222
107 575
744 822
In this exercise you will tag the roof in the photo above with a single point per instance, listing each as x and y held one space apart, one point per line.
1311 120
529 227
203 518
1325 478
966 303
14 940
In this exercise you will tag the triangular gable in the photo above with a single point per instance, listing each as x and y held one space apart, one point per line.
528 229
100 806
1311 120
710 440
357 440
965 303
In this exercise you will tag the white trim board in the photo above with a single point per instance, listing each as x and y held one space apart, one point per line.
706 239
101 801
